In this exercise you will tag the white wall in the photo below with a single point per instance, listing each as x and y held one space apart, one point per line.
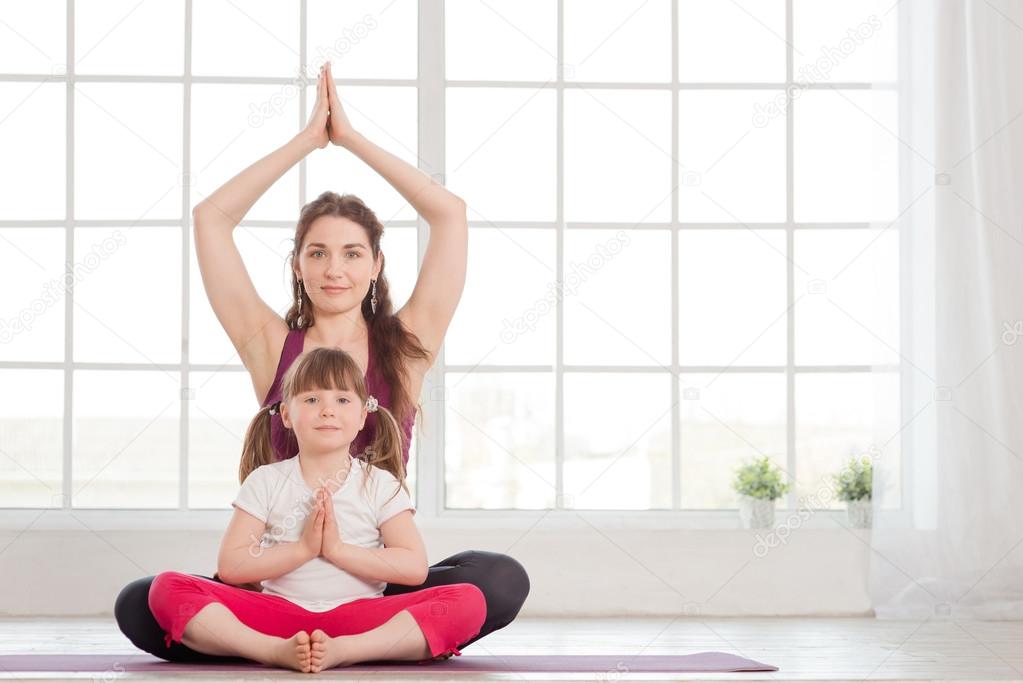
580 571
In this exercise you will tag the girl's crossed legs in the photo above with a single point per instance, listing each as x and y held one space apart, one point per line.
220 619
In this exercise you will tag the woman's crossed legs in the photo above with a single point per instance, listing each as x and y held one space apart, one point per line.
221 619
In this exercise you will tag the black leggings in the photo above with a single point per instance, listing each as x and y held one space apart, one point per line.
502 579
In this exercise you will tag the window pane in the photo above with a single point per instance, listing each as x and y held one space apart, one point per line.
128 150
127 306
265 254
129 37
617 445
401 264
364 38
842 416
734 169
479 36
841 41
125 439
731 41
262 39
506 314
617 155
221 405
620 40
388 116
617 297
31 437
32 137
846 156
727 420
32 310
232 127
848 310
732 297
33 37
499 440
501 152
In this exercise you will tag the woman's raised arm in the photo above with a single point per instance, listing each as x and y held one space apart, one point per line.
431 306
249 322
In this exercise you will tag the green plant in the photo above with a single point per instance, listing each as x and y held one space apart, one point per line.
760 479
854 482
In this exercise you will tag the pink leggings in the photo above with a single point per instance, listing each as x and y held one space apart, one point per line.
447 615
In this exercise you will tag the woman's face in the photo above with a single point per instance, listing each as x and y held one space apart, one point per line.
336 264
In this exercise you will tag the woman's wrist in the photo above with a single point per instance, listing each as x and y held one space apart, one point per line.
350 138
304 143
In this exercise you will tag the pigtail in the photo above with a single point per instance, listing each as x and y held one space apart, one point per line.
386 451
258 447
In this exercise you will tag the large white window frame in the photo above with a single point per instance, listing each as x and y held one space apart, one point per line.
431 83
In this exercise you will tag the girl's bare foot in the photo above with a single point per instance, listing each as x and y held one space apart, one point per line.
292 653
326 652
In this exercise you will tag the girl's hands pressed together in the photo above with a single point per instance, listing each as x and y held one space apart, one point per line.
339 127
331 543
316 128
312 534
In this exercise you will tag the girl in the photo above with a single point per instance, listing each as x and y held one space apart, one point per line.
323 532
341 299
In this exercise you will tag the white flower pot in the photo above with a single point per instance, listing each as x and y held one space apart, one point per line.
860 513
756 513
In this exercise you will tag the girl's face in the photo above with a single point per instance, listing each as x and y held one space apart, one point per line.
336 264
324 419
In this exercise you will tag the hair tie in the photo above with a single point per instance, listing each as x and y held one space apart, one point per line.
275 408
372 404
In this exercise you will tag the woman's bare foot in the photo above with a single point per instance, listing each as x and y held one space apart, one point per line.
292 653
326 652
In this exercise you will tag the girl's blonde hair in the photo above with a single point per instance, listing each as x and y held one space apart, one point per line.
332 369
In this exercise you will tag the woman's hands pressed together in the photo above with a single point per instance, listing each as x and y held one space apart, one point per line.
327 121
340 128
316 128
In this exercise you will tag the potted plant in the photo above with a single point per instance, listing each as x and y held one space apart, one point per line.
758 483
854 485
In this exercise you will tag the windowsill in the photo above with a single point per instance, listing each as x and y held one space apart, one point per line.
23 519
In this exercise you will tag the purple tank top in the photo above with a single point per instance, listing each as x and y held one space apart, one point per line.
283 439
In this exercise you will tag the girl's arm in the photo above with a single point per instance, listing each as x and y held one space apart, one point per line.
242 560
402 560
441 280
249 322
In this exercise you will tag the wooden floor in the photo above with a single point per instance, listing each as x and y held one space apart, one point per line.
803 649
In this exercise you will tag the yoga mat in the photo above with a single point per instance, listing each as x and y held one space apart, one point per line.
700 662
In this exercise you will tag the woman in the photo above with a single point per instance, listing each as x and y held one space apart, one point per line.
341 300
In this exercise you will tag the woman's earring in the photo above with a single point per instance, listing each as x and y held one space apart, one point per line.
373 297
299 303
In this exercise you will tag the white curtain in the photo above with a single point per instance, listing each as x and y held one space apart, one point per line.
948 518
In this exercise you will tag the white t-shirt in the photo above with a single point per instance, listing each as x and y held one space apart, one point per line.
279 496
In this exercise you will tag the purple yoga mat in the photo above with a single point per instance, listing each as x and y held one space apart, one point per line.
701 661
